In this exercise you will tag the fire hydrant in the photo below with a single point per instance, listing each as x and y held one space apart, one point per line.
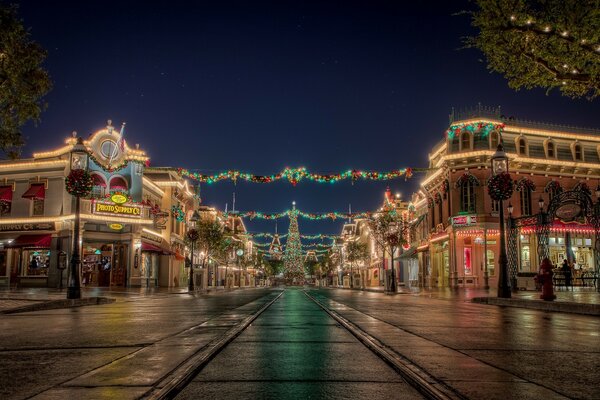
545 273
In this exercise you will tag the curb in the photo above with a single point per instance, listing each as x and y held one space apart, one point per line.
188 370
427 385
56 304
556 306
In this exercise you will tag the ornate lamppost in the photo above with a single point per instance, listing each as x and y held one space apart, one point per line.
500 188
192 235
239 253
78 184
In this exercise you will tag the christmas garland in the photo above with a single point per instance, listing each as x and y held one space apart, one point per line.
177 212
79 183
295 175
501 186
525 183
111 168
310 216
484 128
553 186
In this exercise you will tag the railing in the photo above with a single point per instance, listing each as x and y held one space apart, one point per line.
496 113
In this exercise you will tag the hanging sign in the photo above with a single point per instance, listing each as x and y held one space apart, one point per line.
115 227
464 220
118 198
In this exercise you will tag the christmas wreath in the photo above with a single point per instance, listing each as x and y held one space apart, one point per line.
79 183
501 186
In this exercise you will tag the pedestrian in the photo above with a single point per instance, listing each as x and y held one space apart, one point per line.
566 270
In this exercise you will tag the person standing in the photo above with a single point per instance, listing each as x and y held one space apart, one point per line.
566 270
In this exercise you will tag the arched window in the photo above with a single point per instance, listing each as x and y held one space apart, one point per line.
550 150
494 140
99 185
553 189
522 146
577 152
526 187
465 141
438 201
118 183
466 185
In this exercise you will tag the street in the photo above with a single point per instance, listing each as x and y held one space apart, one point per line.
294 349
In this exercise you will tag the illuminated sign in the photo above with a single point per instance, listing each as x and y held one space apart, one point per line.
116 209
116 227
26 227
464 220
118 198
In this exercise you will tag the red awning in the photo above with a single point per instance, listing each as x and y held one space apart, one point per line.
36 191
179 256
155 249
6 193
98 180
34 241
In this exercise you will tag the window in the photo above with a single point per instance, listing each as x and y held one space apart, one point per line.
553 189
550 153
108 149
99 186
38 207
494 140
490 263
118 183
495 206
465 141
522 146
577 152
467 261
440 211
525 259
467 196
525 201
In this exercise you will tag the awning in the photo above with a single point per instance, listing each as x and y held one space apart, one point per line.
33 241
98 180
6 193
155 249
36 191
179 256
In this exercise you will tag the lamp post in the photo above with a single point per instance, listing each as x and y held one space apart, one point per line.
239 253
192 235
79 161
500 166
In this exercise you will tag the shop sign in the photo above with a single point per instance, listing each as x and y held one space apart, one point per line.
48 226
152 237
464 220
116 209
490 242
115 227
118 198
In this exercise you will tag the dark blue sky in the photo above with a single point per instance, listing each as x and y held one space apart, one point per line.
259 86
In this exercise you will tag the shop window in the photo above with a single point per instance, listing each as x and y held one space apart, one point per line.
491 266
467 196
525 201
38 262
99 186
467 261
588 242
525 259
37 207
465 141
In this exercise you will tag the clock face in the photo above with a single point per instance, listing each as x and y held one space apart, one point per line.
109 149
568 212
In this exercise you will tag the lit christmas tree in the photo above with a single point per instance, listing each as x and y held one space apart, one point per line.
292 259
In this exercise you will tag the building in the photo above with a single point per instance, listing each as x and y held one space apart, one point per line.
132 225
553 168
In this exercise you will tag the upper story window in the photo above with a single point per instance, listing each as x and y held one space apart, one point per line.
99 185
465 141
466 185
553 189
37 194
118 183
494 140
5 200
526 187
577 152
550 150
522 146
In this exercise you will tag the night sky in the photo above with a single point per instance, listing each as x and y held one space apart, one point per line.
259 86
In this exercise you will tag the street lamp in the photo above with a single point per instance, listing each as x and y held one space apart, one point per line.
79 161
500 166
239 253
192 235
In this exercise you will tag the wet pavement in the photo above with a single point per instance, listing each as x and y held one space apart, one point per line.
116 350
482 351
294 350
